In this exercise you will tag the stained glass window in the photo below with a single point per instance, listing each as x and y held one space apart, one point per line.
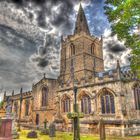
27 103
86 104
137 97
44 96
107 103
66 104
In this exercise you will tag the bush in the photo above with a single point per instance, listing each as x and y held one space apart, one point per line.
32 134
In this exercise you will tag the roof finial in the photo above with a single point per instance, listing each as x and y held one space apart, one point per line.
118 64
44 75
13 93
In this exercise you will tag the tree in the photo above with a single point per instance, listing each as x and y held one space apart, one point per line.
124 16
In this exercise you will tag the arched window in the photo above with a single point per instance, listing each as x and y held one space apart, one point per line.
137 96
44 96
72 49
66 104
86 104
92 48
27 103
107 102
16 107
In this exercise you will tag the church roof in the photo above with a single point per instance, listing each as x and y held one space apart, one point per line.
126 73
81 22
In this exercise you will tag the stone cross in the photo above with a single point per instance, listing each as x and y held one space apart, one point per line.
75 117
102 130
52 130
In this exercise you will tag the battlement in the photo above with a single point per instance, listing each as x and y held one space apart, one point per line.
77 36
118 74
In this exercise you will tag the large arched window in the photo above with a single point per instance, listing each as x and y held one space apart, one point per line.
27 103
44 96
137 96
66 104
72 49
86 104
107 102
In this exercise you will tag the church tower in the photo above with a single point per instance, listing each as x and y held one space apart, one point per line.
82 51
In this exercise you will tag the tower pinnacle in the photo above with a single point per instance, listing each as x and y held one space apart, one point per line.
81 22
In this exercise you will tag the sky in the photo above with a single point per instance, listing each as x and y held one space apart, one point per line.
30 32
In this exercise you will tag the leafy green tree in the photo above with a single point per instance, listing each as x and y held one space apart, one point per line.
1 104
124 16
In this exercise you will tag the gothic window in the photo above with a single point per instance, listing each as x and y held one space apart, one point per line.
44 96
86 104
66 104
27 103
16 107
72 49
92 48
107 103
137 97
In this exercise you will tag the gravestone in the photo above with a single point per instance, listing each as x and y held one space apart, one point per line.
102 130
52 130
45 123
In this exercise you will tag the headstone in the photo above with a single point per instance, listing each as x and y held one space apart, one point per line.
52 130
102 130
45 124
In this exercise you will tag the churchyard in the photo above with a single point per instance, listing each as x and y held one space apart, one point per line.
69 136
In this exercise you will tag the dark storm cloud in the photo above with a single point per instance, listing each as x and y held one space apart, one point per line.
115 47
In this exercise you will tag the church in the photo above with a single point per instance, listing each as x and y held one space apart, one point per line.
113 95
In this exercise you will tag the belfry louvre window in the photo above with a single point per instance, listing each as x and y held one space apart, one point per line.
86 104
72 49
137 97
92 48
107 103
44 96
66 104
27 103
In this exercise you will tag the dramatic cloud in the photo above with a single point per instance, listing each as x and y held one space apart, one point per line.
30 32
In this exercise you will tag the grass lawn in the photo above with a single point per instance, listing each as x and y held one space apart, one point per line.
68 136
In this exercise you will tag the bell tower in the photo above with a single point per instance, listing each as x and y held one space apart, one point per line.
81 50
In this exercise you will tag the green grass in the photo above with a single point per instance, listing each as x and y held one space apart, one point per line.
69 136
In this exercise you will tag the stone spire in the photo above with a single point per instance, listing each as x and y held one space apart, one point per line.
81 22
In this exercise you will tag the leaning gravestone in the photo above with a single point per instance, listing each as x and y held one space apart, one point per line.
52 130
102 130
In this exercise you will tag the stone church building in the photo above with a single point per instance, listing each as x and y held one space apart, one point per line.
113 95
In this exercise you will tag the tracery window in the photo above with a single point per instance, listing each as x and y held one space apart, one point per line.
137 96
66 104
16 107
107 102
44 96
72 49
86 104
27 104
